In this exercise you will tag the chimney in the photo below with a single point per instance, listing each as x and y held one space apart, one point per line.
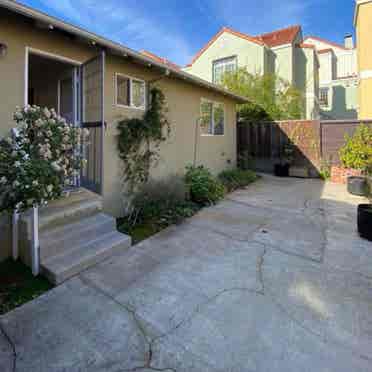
349 43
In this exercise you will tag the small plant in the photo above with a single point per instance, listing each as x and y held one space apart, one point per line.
325 170
236 178
204 188
157 205
357 152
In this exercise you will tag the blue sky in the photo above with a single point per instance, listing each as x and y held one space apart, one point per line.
177 29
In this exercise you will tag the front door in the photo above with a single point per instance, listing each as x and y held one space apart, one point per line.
92 118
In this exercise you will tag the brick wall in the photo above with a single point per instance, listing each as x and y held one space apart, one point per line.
340 174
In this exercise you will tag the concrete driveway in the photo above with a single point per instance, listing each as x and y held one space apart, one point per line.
272 279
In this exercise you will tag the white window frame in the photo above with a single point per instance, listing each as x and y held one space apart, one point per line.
224 117
131 79
222 60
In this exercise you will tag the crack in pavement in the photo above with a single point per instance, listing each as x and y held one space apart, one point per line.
129 310
12 346
293 318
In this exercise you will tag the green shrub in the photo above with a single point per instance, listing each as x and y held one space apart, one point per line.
325 170
236 178
357 152
159 199
204 188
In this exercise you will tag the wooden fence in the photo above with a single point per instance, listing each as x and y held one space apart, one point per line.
262 144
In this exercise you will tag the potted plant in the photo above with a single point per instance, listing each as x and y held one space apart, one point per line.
357 154
365 221
282 168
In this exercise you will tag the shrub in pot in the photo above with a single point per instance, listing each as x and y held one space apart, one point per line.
365 221
282 169
357 154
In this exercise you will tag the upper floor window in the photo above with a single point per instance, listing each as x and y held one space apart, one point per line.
324 97
221 66
130 92
212 118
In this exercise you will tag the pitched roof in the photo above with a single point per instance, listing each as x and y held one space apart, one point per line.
331 43
305 46
219 33
160 59
114 47
280 37
271 39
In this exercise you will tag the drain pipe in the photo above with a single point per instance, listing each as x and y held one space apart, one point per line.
197 125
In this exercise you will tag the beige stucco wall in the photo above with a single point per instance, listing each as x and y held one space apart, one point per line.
249 55
216 152
183 101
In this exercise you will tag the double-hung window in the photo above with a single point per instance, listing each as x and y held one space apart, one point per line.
212 118
130 92
223 66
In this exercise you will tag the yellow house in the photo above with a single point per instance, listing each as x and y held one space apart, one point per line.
362 23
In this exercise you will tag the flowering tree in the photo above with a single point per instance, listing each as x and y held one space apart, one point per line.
39 158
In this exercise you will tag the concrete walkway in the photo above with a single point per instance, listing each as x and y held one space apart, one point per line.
272 279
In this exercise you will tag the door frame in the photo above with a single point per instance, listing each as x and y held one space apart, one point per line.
29 50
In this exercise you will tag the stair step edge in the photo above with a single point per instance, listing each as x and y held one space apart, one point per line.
94 219
51 247
58 271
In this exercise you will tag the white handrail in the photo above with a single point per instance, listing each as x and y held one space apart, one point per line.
15 235
35 245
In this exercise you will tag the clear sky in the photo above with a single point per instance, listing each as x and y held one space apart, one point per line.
177 29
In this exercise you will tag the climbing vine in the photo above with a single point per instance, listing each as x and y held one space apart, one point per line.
140 138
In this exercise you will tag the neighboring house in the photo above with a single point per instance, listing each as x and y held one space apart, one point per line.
338 78
362 23
94 82
282 52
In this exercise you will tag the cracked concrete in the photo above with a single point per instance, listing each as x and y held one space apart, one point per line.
274 279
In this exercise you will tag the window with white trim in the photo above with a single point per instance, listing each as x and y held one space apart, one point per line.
212 118
222 66
130 92
324 97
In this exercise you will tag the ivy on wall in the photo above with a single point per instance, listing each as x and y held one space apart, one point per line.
139 140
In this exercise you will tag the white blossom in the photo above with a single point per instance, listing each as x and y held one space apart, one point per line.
16 183
50 188
3 180
47 113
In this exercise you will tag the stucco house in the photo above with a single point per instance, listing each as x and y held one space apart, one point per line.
282 52
94 82
338 78
362 24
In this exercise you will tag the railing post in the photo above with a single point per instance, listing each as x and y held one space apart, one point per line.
35 246
15 235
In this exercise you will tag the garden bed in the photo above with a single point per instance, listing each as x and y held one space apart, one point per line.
18 285
162 204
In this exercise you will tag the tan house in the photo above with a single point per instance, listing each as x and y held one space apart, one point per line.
282 52
338 78
94 82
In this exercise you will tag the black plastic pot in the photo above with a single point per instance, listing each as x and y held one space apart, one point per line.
357 186
365 221
281 170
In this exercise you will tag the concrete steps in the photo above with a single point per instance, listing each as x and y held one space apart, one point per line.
80 257
74 235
